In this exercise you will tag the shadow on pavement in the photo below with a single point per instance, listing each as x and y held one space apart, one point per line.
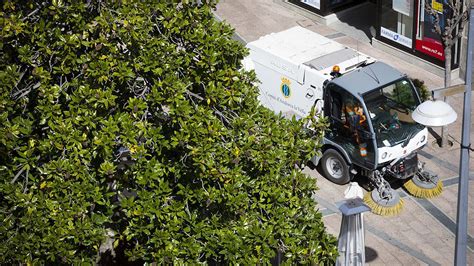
370 254
357 21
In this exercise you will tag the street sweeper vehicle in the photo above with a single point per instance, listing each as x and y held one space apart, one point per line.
367 103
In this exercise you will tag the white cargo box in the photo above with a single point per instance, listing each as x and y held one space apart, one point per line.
292 66
288 50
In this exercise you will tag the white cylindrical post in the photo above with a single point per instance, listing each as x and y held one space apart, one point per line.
351 243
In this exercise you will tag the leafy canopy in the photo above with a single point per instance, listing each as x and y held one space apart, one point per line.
128 132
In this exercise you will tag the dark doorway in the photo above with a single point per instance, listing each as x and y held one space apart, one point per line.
357 21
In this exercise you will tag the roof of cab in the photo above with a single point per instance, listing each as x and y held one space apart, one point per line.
368 78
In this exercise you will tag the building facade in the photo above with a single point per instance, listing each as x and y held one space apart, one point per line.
325 7
401 24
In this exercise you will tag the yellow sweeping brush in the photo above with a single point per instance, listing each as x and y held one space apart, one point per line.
381 206
423 191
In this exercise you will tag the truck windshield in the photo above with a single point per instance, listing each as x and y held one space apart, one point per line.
390 109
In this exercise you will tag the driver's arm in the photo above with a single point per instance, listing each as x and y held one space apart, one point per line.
360 112
362 118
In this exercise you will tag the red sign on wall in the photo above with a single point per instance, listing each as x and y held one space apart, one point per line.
428 41
431 47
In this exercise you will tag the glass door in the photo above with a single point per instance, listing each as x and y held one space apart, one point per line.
348 125
396 22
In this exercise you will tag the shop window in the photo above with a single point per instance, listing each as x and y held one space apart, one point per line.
337 3
427 40
313 3
325 7
397 21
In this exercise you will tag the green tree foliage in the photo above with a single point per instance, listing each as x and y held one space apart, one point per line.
127 132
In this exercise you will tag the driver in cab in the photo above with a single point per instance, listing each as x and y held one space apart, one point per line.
355 120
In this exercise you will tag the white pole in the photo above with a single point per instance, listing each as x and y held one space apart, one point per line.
461 229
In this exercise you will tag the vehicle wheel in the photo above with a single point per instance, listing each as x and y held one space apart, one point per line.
334 167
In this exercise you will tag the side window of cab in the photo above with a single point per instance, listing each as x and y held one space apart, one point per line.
333 103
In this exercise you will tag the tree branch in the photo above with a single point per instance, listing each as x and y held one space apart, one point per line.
454 23
194 95
26 181
20 78
17 175
31 14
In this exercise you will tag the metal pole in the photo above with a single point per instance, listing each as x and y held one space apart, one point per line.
461 229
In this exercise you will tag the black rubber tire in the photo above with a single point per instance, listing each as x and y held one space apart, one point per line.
339 165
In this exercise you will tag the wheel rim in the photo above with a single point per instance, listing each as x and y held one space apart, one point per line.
386 202
429 182
334 167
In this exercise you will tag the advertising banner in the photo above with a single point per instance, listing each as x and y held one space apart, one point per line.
391 35
430 41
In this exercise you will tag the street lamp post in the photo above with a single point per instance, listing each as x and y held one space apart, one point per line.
461 218
438 113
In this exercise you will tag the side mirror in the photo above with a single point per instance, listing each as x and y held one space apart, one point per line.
318 106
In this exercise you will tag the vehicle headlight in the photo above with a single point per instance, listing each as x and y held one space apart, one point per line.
384 155
423 138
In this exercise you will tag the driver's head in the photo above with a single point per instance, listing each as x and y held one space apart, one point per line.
350 102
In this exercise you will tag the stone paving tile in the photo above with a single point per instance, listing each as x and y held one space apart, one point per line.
444 163
470 222
443 235
376 221
418 244
441 257
388 253
270 16
450 195
333 224
437 243
447 202
434 248
321 29
418 226
379 252
410 230
410 237
442 172
327 190
405 260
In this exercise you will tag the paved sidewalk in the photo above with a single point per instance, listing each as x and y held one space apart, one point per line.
424 232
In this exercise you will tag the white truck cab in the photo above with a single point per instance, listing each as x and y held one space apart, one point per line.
368 103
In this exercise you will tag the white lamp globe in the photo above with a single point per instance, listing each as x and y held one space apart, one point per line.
434 114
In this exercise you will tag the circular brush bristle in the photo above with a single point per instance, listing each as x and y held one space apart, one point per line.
381 209
422 192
